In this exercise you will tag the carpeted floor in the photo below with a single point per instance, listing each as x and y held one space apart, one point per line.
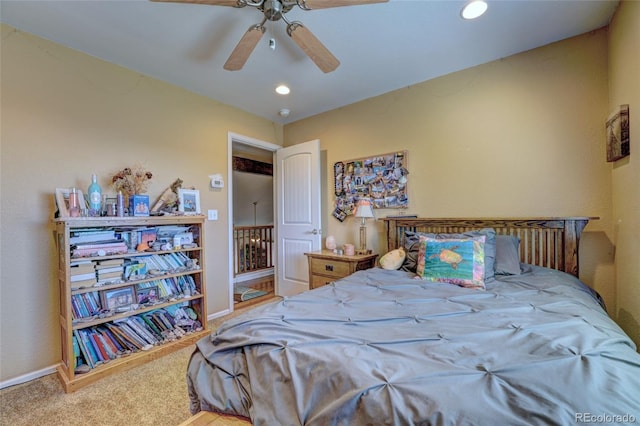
152 394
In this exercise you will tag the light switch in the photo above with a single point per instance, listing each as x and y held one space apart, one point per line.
212 214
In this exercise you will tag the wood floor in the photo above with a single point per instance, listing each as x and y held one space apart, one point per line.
263 283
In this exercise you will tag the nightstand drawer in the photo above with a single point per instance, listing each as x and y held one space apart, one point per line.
319 281
329 267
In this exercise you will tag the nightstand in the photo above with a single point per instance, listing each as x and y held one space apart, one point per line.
325 266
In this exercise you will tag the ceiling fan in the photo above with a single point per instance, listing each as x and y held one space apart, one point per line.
274 10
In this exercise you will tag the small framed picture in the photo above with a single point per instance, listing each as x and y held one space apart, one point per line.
189 201
618 134
147 295
62 202
117 298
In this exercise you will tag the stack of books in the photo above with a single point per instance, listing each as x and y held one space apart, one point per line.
85 305
96 242
109 271
103 343
166 262
82 274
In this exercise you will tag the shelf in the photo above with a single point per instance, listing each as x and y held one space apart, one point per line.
128 283
126 362
93 332
77 325
133 254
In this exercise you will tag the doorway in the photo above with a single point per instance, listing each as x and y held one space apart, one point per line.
251 232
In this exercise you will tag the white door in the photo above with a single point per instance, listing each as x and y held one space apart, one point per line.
298 214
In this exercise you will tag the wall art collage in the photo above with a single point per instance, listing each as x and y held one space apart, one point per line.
382 179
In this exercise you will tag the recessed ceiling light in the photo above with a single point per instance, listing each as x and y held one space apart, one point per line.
283 90
474 9
284 112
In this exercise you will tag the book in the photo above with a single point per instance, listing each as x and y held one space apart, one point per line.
89 303
132 343
80 268
140 331
84 283
115 343
95 235
90 348
82 277
83 349
130 334
99 244
108 269
81 307
110 351
116 273
109 263
149 320
99 249
100 351
134 271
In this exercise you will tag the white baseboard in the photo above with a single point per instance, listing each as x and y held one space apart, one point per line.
218 314
28 377
52 369
253 275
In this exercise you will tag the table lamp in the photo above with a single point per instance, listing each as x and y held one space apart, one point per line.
364 211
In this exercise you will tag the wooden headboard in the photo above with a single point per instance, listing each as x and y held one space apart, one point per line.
551 242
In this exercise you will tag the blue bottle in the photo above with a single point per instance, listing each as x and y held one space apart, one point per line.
95 197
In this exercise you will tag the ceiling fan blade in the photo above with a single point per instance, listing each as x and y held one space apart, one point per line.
243 49
314 49
232 3
324 4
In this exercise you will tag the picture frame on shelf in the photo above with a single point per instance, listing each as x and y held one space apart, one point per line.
147 295
189 201
62 201
117 298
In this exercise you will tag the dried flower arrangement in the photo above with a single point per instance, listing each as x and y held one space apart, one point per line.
132 180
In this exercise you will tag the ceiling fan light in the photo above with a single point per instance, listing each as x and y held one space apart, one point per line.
474 9
283 90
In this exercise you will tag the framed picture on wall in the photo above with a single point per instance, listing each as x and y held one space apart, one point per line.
189 201
382 179
618 134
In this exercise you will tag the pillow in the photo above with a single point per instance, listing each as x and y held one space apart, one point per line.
412 247
393 259
453 260
507 255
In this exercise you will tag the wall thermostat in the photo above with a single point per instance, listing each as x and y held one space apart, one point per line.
216 181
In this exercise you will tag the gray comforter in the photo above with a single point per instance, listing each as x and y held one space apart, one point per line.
381 347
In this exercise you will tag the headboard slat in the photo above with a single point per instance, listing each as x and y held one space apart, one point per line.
548 242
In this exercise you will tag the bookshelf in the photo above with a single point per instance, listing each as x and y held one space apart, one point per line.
120 307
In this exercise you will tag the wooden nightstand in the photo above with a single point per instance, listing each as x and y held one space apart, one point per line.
326 266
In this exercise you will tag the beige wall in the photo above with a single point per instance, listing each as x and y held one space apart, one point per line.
517 137
66 115
521 136
624 88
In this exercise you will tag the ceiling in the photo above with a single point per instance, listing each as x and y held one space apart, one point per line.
381 47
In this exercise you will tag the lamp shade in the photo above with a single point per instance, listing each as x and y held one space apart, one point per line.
364 209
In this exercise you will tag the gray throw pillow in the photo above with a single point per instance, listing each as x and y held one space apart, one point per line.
507 255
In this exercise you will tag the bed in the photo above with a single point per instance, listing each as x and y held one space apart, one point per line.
533 345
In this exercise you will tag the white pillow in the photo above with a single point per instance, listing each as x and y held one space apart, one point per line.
393 259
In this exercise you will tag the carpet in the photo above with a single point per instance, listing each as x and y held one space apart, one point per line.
153 394
242 294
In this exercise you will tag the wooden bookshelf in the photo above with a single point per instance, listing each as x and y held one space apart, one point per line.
70 320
